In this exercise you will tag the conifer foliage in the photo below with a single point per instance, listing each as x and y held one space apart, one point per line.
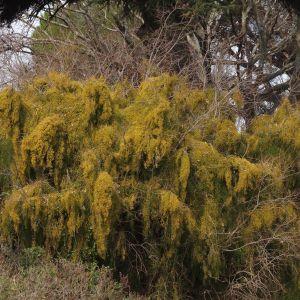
152 181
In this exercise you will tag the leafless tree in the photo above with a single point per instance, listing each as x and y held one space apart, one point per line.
252 51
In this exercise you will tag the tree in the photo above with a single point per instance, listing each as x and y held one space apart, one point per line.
247 39
213 37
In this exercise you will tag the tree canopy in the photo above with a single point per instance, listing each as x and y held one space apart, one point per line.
10 9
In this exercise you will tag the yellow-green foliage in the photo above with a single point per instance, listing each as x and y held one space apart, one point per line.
10 112
55 94
249 174
38 215
174 216
184 168
276 134
104 210
105 140
266 216
12 115
146 179
146 142
98 103
211 223
224 135
89 168
6 158
209 164
45 149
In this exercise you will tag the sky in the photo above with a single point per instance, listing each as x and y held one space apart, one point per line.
10 61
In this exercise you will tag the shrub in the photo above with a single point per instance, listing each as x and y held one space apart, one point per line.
31 275
181 201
